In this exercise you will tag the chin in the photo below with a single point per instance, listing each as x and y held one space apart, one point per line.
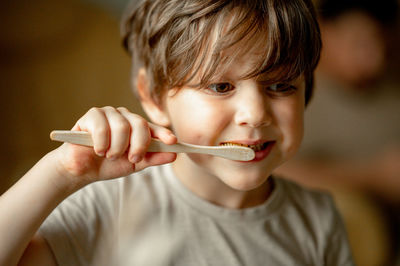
245 183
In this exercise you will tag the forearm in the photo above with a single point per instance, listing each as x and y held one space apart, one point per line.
25 206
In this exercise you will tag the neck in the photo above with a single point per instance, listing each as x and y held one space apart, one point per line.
212 189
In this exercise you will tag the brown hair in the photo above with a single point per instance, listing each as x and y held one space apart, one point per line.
176 39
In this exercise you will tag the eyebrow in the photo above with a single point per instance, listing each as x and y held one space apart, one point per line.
264 80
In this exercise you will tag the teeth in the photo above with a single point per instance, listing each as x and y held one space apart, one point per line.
256 147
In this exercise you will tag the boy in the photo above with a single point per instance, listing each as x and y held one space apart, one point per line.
211 72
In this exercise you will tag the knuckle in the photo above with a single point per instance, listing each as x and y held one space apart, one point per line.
94 110
122 126
141 122
135 116
108 108
123 109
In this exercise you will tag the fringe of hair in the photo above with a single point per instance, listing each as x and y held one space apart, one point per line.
177 41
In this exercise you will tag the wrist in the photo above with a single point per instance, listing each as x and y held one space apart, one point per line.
59 177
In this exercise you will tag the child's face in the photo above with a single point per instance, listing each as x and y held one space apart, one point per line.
238 111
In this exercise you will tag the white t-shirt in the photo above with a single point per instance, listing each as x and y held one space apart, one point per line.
151 218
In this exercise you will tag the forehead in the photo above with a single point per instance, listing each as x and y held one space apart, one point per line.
244 65
246 59
277 40
251 43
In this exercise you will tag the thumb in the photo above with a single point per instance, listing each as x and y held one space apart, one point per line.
155 158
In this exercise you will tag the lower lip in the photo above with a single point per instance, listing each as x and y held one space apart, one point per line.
261 155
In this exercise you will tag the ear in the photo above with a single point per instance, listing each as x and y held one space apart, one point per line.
154 110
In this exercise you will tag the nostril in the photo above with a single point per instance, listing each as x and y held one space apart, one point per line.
253 118
256 124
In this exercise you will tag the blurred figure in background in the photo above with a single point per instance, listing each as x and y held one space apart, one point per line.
355 40
352 129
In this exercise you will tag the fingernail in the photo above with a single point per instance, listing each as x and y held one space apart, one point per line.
111 157
100 153
136 159
172 136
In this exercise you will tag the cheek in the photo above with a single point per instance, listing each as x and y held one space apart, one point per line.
290 121
193 119
297 133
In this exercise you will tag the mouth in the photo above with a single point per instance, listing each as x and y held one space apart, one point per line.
261 149
255 147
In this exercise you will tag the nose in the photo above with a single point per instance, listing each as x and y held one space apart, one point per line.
252 109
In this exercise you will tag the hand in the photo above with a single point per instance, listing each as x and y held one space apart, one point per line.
120 141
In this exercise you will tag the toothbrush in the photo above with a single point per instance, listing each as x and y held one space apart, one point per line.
231 152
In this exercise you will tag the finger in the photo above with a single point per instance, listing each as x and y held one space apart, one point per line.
163 134
140 135
120 131
96 123
118 167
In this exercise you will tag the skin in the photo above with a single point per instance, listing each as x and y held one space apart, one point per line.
246 113
69 168
249 112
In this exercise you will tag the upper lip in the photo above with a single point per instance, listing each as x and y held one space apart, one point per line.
245 142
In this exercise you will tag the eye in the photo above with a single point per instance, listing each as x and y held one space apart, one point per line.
221 88
281 88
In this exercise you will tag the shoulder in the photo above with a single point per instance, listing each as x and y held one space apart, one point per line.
317 222
311 197
312 207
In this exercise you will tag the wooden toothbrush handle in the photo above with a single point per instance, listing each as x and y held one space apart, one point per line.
74 137
84 138
227 152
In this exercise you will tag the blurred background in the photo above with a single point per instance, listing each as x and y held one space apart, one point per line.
59 58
